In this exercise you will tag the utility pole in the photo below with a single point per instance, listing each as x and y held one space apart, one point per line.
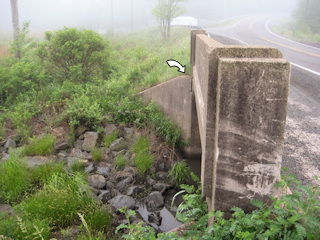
15 24
131 15
111 2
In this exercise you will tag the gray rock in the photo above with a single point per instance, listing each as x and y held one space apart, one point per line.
105 196
62 146
62 155
118 144
155 218
37 161
109 185
134 190
154 201
161 187
80 130
87 155
97 181
120 201
89 169
6 208
71 160
124 183
104 169
10 143
128 133
109 129
115 153
5 156
90 140
161 166
129 170
75 152
78 144
161 175
151 181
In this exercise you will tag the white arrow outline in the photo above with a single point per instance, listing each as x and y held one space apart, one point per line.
174 63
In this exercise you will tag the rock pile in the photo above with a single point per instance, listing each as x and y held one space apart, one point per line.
112 186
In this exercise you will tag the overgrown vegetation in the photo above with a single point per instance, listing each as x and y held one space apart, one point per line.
179 173
39 146
293 216
143 159
305 23
100 86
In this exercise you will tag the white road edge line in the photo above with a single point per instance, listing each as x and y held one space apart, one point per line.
236 39
294 64
306 69
266 25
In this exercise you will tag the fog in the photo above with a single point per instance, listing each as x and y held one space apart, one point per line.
124 15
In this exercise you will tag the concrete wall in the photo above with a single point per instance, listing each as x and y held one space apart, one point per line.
233 110
241 97
177 102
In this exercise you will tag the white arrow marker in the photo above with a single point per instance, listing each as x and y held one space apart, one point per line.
174 63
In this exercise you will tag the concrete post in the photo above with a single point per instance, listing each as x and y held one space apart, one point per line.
241 96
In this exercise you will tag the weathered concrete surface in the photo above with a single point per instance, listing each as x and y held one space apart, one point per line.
252 107
206 89
177 102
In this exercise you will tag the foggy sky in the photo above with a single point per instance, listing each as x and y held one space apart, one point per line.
96 14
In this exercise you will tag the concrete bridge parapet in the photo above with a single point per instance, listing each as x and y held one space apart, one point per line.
237 110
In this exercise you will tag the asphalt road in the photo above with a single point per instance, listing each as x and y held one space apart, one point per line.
302 141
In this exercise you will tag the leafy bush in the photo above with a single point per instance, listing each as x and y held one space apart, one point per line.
83 110
39 146
24 77
14 179
21 116
180 172
129 111
72 54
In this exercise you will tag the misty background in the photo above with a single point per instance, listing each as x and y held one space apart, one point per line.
129 14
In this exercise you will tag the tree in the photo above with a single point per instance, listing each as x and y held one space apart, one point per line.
15 23
307 15
165 11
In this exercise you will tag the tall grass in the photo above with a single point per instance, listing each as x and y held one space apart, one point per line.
39 146
14 179
143 159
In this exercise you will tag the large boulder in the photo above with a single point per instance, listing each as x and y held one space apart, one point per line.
97 181
154 201
120 201
118 144
10 143
90 140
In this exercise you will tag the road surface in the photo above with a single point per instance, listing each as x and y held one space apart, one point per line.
302 142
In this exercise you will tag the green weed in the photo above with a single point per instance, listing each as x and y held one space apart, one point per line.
14 179
107 140
143 159
97 154
59 200
39 146
120 162
41 175
179 173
